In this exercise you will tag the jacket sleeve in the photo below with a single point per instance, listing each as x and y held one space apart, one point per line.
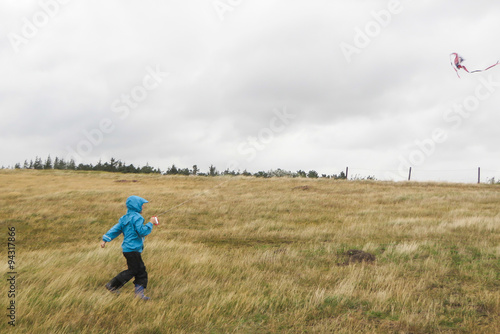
143 230
112 233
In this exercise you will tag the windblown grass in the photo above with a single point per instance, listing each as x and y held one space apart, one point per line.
249 255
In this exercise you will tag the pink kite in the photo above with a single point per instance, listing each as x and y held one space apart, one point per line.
457 64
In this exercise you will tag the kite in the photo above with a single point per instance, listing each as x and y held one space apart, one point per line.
457 64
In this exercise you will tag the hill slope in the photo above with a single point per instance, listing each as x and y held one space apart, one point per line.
248 255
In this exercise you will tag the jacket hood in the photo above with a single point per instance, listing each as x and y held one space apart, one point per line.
134 203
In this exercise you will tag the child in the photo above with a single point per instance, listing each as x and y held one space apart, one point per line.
133 229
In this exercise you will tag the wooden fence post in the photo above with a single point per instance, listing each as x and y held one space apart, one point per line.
346 173
409 174
478 175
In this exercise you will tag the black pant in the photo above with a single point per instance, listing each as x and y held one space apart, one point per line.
136 268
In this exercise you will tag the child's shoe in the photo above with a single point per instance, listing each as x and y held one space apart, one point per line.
139 292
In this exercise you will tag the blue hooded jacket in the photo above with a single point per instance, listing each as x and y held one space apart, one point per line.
132 226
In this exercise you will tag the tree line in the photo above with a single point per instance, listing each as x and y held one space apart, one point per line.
117 166
114 165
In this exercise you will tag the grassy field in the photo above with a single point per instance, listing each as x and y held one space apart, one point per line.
250 255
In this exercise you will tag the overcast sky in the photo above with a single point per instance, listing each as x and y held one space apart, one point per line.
257 85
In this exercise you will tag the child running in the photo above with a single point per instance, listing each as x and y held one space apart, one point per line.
133 229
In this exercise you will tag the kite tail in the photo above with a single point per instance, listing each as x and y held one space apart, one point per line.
487 68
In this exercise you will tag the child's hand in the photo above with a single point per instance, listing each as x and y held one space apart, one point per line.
103 244
154 220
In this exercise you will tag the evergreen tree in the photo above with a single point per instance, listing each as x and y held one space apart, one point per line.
82 166
56 163
341 176
99 166
38 163
71 165
113 164
183 171
61 164
212 171
261 174
172 170
312 174
48 163
301 173
131 169
147 169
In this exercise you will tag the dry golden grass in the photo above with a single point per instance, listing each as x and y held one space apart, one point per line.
251 255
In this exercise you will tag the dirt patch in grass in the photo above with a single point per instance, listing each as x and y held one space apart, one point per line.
357 256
